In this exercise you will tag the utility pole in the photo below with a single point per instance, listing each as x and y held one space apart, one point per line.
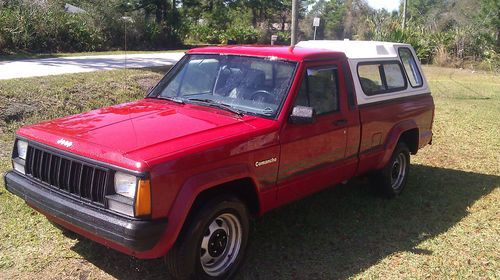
295 15
404 14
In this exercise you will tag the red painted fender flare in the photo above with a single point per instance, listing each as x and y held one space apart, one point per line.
393 138
186 198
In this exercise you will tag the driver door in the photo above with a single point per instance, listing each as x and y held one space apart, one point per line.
311 154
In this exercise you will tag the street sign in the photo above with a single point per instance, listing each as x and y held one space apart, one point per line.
316 22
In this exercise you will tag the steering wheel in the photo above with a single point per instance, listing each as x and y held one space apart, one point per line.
262 96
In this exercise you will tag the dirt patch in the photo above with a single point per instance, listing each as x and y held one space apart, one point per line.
16 112
146 83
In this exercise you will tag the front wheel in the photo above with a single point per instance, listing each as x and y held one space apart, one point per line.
213 243
391 180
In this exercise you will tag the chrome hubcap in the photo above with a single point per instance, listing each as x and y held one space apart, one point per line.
220 244
398 171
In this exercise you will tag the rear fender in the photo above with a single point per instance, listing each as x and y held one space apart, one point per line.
393 138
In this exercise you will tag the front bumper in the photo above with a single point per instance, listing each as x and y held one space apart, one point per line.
135 235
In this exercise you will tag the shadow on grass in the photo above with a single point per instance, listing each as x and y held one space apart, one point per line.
159 69
338 232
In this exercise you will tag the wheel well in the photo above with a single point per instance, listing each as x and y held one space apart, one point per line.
244 189
410 138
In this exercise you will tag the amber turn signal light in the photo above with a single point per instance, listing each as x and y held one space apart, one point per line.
143 198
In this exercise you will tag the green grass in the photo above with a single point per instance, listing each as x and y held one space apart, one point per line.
19 56
445 225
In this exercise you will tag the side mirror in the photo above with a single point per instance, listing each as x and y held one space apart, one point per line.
302 115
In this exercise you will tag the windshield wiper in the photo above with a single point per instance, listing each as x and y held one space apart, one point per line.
217 104
173 99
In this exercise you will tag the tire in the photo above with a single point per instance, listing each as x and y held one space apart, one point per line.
391 180
203 249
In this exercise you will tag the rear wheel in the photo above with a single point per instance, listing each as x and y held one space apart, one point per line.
391 180
213 243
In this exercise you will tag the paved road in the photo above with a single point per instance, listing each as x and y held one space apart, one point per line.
76 64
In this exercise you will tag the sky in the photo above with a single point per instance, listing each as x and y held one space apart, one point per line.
389 5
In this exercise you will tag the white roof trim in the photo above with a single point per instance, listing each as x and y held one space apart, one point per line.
355 49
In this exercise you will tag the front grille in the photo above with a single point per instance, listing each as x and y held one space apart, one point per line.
68 175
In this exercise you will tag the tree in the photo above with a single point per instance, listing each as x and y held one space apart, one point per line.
332 14
489 17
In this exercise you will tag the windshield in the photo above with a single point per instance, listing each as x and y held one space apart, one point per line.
250 85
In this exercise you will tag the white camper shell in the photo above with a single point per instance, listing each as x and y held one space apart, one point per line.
381 71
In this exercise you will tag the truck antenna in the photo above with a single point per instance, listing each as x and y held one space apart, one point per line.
125 20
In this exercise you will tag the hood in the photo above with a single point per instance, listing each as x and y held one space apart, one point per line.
130 127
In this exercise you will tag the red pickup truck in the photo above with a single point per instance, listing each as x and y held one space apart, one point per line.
228 134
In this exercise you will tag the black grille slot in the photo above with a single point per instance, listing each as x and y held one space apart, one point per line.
69 175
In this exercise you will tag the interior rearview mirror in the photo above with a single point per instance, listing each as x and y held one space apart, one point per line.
302 115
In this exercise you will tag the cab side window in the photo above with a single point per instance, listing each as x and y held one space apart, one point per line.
319 90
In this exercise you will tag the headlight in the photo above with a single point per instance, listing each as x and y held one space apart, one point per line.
19 161
132 195
22 149
125 184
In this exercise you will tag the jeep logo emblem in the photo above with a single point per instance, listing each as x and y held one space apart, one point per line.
65 143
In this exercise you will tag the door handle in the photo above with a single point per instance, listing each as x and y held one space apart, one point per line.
340 122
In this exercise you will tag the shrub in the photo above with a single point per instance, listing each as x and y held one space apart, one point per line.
47 28
204 33
491 61
78 33
237 33
284 37
241 34
441 57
